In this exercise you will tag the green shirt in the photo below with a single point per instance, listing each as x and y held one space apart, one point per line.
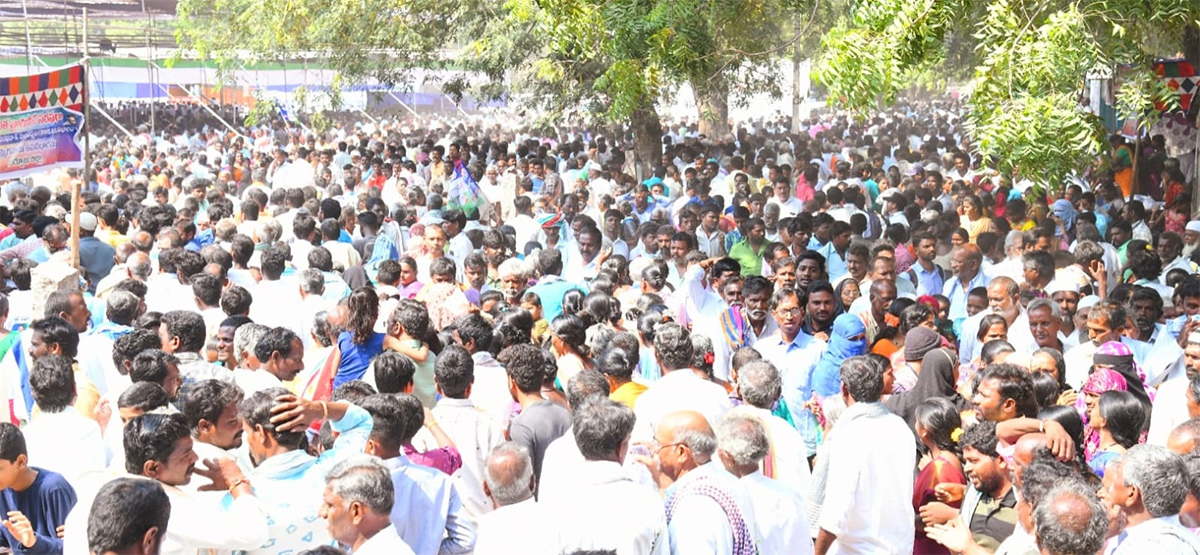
750 261
994 519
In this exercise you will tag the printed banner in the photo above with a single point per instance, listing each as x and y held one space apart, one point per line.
41 117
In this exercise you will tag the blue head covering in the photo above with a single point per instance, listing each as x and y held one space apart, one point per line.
384 249
827 378
1065 212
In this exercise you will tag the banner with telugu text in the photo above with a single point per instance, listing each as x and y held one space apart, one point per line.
41 117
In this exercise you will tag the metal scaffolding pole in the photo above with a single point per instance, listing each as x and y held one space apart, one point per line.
95 108
203 104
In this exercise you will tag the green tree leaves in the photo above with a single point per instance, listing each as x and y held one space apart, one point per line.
1030 58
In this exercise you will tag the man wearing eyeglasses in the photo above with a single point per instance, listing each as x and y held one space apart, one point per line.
795 354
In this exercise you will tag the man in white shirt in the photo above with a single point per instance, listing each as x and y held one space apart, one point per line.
1105 322
585 261
357 505
636 522
474 433
759 386
182 335
1004 298
1170 407
343 254
524 223
679 388
489 385
509 483
60 439
275 295
429 512
703 305
1170 249
1148 488
281 355
211 410
779 509
789 205
236 523
311 286
708 510
865 484
1012 267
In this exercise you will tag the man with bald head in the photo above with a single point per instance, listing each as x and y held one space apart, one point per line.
1069 519
708 511
965 263
137 266
864 483
508 481
1024 451
1182 439
880 298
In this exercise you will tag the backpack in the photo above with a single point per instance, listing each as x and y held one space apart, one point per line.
912 274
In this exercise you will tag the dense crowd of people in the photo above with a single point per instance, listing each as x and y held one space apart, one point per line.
396 338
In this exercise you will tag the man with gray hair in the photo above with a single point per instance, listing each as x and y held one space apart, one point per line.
245 340
679 388
635 521
779 509
863 485
760 386
1148 487
514 278
563 461
1045 320
96 347
708 510
357 505
1011 267
312 287
509 482
1070 519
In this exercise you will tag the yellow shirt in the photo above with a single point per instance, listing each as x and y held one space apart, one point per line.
628 393
86 395
111 237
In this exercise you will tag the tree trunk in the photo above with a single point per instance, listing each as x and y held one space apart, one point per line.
647 140
797 98
712 99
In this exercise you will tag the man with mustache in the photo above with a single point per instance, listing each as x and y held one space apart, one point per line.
211 410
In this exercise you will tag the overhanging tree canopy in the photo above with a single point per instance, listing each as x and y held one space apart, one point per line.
1029 62
612 59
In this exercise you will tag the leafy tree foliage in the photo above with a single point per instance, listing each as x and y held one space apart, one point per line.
584 59
1029 59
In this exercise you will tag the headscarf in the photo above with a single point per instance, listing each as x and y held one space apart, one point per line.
838 306
384 249
1120 357
1065 212
1101 380
935 380
919 341
826 378
549 219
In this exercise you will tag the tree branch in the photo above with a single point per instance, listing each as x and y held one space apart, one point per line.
811 18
